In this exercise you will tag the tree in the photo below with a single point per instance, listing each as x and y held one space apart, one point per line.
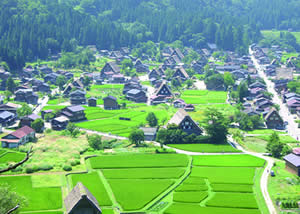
10 84
95 141
274 145
216 125
86 80
8 94
10 199
152 119
73 129
161 136
136 137
61 81
228 80
38 125
24 110
189 83
243 91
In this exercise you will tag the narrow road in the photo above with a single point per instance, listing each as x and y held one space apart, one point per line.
292 126
200 85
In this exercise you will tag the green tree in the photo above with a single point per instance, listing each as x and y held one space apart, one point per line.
228 80
24 110
152 119
86 80
10 84
242 91
216 125
8 94
161 136
61 81
189 83
95 141
38 125
10 199
274 145
73 129
136 137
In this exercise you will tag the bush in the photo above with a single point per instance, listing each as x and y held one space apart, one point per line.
18 169
46 166
75 162
31 168
67 168
48 131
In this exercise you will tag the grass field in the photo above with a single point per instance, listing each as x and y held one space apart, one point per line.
53 107
205 148
179 208
46 198
139 161
11 157
93 182
276 34
232 188
144 173
264 131
44 212
234 200
228 161
134 194
189 197
204 96
57 101
101 91
108 121
231 175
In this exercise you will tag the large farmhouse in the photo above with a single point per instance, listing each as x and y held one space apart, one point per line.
292 162
185 122
18 137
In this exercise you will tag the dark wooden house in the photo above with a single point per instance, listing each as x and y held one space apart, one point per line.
137 96
81 201
7 118
274 120
185 122
27 96
59 123
92 102
110 103
181 73
292 162
27 120
78 97
74 113
109 69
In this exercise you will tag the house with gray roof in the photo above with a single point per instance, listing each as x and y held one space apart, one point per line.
292 162
81 201
7 118
74 113
184 121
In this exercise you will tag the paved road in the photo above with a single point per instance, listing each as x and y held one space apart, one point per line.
292 126
200 85
43 102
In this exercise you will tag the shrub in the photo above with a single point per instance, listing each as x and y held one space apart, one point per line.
75 162
48 131
46 166
67 167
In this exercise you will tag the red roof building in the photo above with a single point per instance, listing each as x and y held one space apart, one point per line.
18 137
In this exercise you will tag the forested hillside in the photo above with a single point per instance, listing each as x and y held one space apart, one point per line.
32 29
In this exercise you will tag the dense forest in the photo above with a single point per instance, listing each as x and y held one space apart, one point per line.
38 28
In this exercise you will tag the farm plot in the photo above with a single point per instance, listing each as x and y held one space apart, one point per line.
231 175
144 173
189 197
46 198
11 157
228 160
205 148
139 161
93 182
178 208
232 188
135 194
191 187
233 200
204 96
44 212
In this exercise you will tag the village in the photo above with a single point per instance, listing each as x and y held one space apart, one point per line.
140 105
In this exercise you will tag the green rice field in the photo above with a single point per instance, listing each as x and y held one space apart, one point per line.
11 157
205 148
189 197
204 96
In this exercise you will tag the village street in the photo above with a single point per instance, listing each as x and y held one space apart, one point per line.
292 126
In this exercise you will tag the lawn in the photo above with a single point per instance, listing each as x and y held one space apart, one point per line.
189 197
232 175
57 101
204 96
234 200
101 91
135 194
205 148
228 161
264 131
53 107
283 138
194 180
232 188
11 157
44 212
139 161
94 184
144 173
45 198
255 144
179 208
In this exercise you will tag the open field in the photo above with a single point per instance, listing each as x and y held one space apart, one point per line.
179 208
45 198
232 175
108 120
144 191
189 197
10 156
232 188
139 161
93 182
276 34
234 200
228 161
53 107
194 180
191 188
205 148
57 101
101 91
204 96
264 131
144 173
44 212
286 56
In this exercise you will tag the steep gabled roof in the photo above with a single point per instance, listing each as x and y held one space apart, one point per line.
182 70
78 193
273 110
163 85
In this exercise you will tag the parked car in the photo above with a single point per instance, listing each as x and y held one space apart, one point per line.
272 173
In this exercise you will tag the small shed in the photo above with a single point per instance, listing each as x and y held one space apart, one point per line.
149 133
110 103
81 201
292 162
92 102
